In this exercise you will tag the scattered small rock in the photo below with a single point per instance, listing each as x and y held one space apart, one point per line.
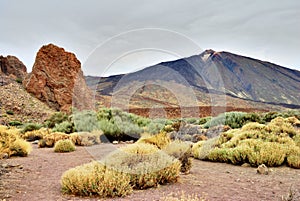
115 142
246 165
4 165
262 169
4 156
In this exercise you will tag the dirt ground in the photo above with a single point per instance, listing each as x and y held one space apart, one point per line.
37 177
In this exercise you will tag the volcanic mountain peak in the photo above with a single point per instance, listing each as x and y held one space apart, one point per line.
213 72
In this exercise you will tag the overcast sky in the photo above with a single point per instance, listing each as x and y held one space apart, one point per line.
110 36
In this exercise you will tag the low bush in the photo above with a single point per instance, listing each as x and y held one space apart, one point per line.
36 134
121 126
30 127
233 119
52 138
293 158
146 165
15 123
160 140
254 143
183 152
20 148
64 146
12 144
85 121
10 112
56 118
64 127
201 149
95 179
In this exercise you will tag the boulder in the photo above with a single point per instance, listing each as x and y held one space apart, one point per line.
57 79
12 66
262 169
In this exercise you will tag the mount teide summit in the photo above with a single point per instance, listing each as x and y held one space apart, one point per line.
214 78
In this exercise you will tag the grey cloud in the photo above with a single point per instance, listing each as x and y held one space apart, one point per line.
267 30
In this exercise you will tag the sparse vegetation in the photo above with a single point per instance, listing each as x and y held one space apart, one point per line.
255 143
64 146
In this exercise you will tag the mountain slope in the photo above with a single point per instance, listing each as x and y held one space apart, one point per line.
215 78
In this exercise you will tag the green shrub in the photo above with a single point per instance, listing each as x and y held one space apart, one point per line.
64 146
9 112
182 151
15 123
95 179
30 127
204 120
19 80
85 121
56 118
146 165
119 125
64 127
233 119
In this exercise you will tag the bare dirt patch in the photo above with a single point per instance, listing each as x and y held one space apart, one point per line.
37 177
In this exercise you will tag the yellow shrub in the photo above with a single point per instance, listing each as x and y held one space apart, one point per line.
293 158
146 164
160 140
20 148
12 144
95 179
202 149
50 139
36 134
64 146
182 151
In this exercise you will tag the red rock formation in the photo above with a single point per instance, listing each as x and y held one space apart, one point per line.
57 79
12 66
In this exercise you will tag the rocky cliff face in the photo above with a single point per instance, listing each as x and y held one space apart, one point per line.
57 79
12 66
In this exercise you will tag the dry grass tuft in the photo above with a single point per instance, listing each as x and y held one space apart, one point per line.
95 179
64 146
11 144
146 164
160 140
183 152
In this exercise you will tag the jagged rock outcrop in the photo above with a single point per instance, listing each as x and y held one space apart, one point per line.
57 79
12 66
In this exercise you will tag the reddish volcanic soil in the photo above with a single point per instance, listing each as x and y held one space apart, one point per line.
37 177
